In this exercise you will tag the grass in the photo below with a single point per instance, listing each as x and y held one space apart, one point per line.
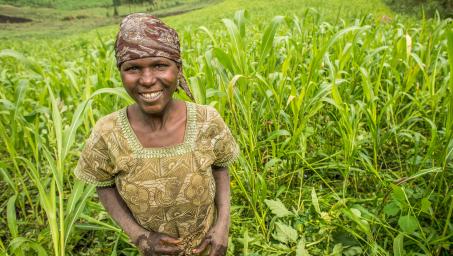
345 124
59 4
67 5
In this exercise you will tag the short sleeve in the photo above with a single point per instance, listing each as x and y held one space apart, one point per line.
226 149
95 166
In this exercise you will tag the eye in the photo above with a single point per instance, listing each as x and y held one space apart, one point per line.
131 69
161 66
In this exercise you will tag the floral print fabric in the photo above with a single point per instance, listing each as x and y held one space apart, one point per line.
142 35
169 190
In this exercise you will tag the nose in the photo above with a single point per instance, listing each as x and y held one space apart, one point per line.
147 77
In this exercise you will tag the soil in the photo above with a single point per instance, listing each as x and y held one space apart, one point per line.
12 19
78 17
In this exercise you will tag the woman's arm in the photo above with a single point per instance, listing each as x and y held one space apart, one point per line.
217 237
118 210
147 242
222 196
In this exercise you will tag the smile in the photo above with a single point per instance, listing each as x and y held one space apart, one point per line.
150 96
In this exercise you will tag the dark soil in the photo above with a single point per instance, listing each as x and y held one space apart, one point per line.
11 19
78 17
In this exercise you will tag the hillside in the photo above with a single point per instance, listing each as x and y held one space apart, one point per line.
54 23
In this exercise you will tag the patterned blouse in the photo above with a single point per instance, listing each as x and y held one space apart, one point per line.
168 189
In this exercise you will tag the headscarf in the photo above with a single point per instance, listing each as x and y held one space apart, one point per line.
142 35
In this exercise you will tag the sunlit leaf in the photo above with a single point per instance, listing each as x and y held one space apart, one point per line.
426 205
314 201
398 245
11 216
284 233
408 223
391 209
352 251
277 208
300 248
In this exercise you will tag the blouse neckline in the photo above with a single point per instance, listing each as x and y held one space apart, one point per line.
173 150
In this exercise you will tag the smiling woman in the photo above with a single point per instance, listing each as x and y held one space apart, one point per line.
160 165
150 82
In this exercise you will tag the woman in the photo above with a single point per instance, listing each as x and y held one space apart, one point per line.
160 165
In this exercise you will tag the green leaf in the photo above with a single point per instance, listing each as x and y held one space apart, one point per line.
277 134
337 250
271 163
115 246
268 36
8 179
391 209
21 58
450 60
98 225
11 216
345 238
398 246
426 205
285 233
20 95
277 208
354 250
399 196
25 243
315 201
356 212
208 32
76 204
425 171
356 216
408 223
245 240
337 97
225 59
450 55
240 18
300 248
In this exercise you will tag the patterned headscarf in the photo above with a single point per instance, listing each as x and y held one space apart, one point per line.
142 35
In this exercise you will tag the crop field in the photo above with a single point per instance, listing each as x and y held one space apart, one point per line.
345 127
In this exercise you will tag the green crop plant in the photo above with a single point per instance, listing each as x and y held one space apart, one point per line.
345 131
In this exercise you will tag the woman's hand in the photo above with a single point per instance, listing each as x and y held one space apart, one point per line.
154 243
149 243
217 238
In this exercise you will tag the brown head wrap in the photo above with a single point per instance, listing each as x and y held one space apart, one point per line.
142 35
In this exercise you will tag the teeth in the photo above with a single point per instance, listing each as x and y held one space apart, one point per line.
152 95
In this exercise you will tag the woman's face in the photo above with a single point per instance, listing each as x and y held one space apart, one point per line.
151 82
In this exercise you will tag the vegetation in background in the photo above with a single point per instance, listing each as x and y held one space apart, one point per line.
87 4
345 128
424 7
60 4
58 23
80 4
63 24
